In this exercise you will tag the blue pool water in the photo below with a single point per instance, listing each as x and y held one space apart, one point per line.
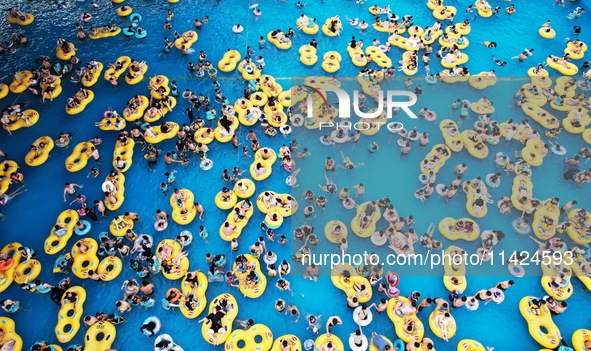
29 217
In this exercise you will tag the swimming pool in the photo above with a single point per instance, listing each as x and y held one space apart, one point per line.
43 203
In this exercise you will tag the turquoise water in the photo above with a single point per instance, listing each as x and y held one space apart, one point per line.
29 217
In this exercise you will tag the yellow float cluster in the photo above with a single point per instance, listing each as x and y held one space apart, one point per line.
66 220
308 55
354 286
187 39
70 314
183 213
447 229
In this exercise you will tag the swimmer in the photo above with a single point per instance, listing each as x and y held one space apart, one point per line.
331 322
504 285
94 172
293 311
10 306
311 272
498 62
4 198
348 164
489 44
373 147
524 55
330 187
280 305
359 190
70 189
460 169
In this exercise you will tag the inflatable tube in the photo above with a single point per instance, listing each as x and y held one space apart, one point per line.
27 271
365 322
128 32
158 325
399 345
574 168
107 186
490 183
135 17
364 343
206 164
516 271
164 337
285 129
270 260
379 238
498 295
424 178
394 127
501 159
440 189
141 34
324 140
297 120
472 306
160 225
524 229
558 150
86 229
430 79
189 236
237 29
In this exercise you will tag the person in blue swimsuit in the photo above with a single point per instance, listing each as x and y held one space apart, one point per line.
379 342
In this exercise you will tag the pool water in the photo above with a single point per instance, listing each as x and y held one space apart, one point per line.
29 217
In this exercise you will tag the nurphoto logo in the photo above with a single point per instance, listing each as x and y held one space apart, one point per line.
344 103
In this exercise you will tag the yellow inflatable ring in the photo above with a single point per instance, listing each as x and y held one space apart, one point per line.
124 11
547 32
54 243
226 205
249 338
551 337
70 314
107 332
293 343
212 337
446 228
184 214
109 268
8 329
27 271
246 193
470 345
335 238
87 261
32 159
580 338
199 296
325 339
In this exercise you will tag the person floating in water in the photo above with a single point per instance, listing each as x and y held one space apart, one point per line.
499 62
